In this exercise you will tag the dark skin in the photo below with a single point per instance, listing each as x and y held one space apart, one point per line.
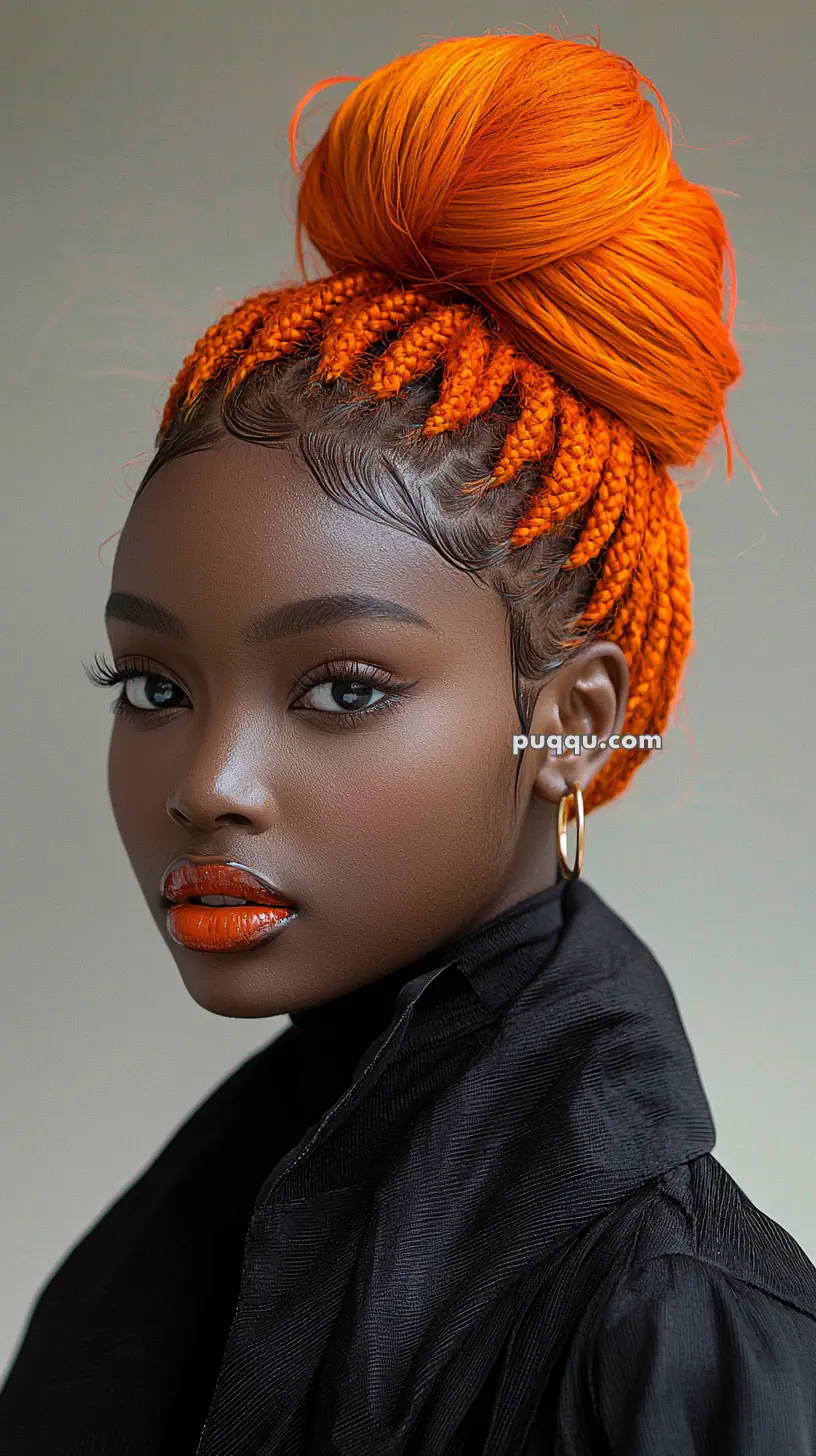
392 835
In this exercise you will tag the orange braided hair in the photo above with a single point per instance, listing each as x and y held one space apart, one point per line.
508 208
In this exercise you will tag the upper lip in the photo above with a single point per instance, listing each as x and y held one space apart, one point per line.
191 876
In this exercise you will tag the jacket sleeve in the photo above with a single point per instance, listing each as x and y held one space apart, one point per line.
690 1361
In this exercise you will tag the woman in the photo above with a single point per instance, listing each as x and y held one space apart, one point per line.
407 568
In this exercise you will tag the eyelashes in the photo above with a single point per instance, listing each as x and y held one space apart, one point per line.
353 677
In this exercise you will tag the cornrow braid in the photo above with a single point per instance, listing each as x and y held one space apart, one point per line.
592 469
264 327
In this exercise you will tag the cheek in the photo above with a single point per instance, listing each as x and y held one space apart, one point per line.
133 789
439 797
121 785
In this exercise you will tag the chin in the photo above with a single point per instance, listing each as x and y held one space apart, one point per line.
223 989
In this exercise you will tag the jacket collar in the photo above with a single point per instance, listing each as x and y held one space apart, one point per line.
519 1092
583 1022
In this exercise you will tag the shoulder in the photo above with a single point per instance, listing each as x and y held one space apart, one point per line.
259 1083
204 1153
686 1356
660 1295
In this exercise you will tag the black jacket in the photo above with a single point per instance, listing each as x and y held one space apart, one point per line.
468 1211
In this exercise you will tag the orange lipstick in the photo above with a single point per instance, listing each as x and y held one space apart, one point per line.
237 927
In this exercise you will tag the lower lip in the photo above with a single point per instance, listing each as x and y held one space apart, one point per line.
225 927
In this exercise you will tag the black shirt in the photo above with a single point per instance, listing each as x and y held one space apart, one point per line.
470 1210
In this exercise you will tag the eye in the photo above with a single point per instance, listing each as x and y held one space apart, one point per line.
148 692
145 694
342 695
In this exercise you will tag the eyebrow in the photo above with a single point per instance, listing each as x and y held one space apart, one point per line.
284 621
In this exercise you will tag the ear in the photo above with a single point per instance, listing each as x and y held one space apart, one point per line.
585 697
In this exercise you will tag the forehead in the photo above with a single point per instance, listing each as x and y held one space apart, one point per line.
229 531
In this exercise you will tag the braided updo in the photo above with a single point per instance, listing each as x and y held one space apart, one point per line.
524 316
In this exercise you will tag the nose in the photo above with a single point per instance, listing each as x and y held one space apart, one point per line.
206 822
224 786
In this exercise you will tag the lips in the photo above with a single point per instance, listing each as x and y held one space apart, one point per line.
223 927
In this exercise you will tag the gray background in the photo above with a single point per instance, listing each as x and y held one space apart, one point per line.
146 185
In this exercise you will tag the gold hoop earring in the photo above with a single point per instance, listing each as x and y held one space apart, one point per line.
573 792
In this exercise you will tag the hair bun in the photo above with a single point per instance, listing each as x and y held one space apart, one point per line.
531 174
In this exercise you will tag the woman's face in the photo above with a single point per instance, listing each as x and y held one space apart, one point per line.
391 831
